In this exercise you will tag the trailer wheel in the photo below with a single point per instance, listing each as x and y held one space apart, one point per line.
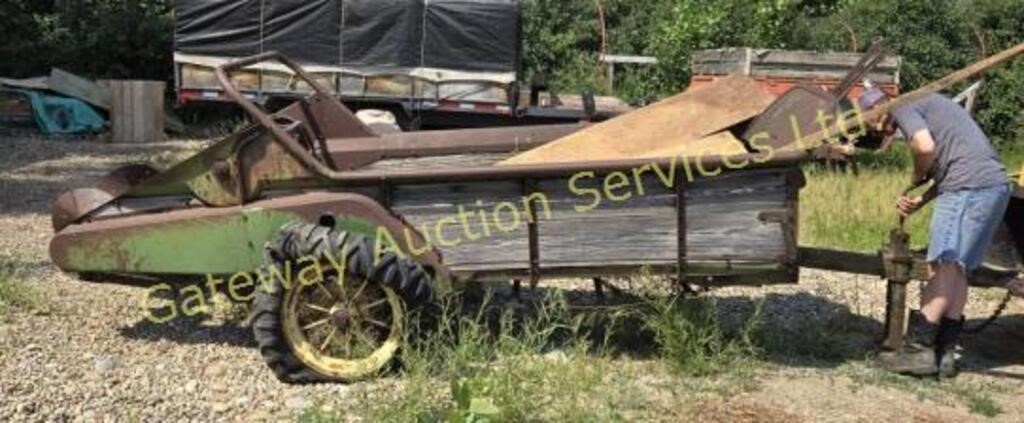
347 327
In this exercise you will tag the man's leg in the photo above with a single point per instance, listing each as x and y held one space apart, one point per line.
958 295
962 228
918 355
945 295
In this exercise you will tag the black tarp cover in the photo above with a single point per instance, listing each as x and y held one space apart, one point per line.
471 35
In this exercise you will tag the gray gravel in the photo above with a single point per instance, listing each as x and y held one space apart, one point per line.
87 354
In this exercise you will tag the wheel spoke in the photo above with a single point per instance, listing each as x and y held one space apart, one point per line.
378 323
360 290
327 340
315 324
365 339
326 291
339 280
316 307
347 342
374 304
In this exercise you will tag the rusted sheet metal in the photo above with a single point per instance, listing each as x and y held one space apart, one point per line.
675 122
75 204
218 240
790 117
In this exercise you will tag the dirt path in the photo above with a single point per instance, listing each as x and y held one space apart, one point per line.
86 354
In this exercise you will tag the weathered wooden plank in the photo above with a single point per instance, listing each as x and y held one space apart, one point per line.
72 85
735 217
732 229
788 64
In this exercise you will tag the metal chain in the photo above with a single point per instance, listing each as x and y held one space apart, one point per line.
991 319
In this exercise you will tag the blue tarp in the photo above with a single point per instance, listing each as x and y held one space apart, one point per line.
63 115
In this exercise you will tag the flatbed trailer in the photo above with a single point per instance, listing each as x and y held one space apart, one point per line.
417 216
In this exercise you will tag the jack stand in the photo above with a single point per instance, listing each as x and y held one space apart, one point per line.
898 253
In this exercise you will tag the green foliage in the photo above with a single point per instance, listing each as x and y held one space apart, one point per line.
553 362
934 37
486 363
95 38
691 341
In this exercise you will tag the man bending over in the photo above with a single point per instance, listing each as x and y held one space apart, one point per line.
972 191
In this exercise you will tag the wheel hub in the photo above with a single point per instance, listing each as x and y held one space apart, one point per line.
340 317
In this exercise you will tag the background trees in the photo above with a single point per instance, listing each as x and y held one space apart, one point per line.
562 39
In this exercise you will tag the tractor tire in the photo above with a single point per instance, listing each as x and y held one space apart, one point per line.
290 320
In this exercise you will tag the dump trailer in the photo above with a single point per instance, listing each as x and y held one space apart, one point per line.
345 230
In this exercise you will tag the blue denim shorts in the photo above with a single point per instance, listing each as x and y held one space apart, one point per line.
964 223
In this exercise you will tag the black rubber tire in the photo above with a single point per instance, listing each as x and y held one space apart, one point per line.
407 278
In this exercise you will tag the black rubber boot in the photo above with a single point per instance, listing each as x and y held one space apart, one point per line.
919 356
946 339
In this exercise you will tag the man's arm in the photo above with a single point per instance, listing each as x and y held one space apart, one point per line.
922 145
909 205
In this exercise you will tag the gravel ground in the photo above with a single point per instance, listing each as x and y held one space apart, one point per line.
86 354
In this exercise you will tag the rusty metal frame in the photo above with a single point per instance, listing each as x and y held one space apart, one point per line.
448 175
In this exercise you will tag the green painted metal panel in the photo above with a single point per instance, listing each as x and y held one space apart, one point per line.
227 244
221 245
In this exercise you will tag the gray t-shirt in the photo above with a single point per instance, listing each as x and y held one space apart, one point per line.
964 158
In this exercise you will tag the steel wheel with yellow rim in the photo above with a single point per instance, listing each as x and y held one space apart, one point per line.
343 331
345 326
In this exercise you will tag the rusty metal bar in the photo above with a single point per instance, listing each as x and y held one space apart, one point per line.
541 171
318 132
353 153
309 162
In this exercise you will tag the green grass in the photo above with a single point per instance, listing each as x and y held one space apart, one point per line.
691 341
976 396
856 212
487 364
15 294
551 361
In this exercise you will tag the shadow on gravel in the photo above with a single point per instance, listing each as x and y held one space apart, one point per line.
797 329
71 164
805 330
25 151
29 196
190 330
999 346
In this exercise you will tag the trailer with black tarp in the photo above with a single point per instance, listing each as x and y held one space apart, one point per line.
439 63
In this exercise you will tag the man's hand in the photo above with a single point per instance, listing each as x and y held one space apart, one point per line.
909 205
